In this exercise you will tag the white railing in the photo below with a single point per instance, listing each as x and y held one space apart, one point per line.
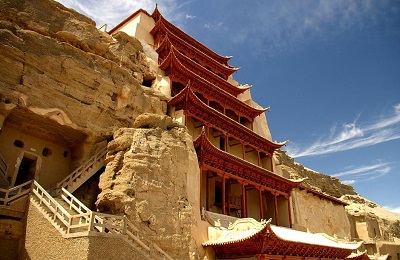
87 222
77 173
3 166
9 195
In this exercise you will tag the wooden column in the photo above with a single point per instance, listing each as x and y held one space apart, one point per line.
226 143
186 117
271 160
243 200
207 131
207 193
276 209
261 203
229 196
290 212
258 158
243 152
223 196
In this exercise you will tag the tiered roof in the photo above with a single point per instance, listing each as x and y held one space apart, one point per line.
223 163
199 84
247 238
196 108
167 64
164 34
158 18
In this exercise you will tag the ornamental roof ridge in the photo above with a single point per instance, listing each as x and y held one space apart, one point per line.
291 235
282 233
158 16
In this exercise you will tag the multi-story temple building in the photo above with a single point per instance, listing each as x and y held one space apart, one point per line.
234 148
119 148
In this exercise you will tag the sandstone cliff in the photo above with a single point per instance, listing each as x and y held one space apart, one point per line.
359 209
152 177
57 67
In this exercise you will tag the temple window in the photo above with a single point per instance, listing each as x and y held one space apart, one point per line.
46 151
19 143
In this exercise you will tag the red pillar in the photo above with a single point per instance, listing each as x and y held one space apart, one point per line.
289 210
276 209
223 196
207 193
226 143
261 203
228 197
271 160
243 152
243 200
258 158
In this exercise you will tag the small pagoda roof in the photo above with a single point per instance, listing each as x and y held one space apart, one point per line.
247 237
184 36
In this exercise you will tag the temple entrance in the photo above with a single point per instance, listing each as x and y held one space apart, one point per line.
26 170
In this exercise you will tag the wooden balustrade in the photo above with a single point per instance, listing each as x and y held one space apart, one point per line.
9 195
88 222
81 169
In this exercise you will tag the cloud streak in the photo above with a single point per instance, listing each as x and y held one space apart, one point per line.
352 135
364 173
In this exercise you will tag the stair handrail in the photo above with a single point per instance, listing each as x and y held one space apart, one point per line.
93 221
14 193
45 198
81 169
3 165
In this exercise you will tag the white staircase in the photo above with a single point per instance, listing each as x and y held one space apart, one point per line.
73 219
7 196
74 180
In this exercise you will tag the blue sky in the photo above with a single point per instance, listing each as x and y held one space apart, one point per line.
329 70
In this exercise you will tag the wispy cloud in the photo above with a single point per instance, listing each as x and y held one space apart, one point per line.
281 25
113 12
352 135
190 16
363 173
395 209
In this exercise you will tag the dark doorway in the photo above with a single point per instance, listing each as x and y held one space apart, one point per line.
26 171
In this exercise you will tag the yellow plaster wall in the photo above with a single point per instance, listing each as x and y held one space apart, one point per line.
52 168
140 27
318 215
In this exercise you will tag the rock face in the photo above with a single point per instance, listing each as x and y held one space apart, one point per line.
150 172
315 180
58 67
